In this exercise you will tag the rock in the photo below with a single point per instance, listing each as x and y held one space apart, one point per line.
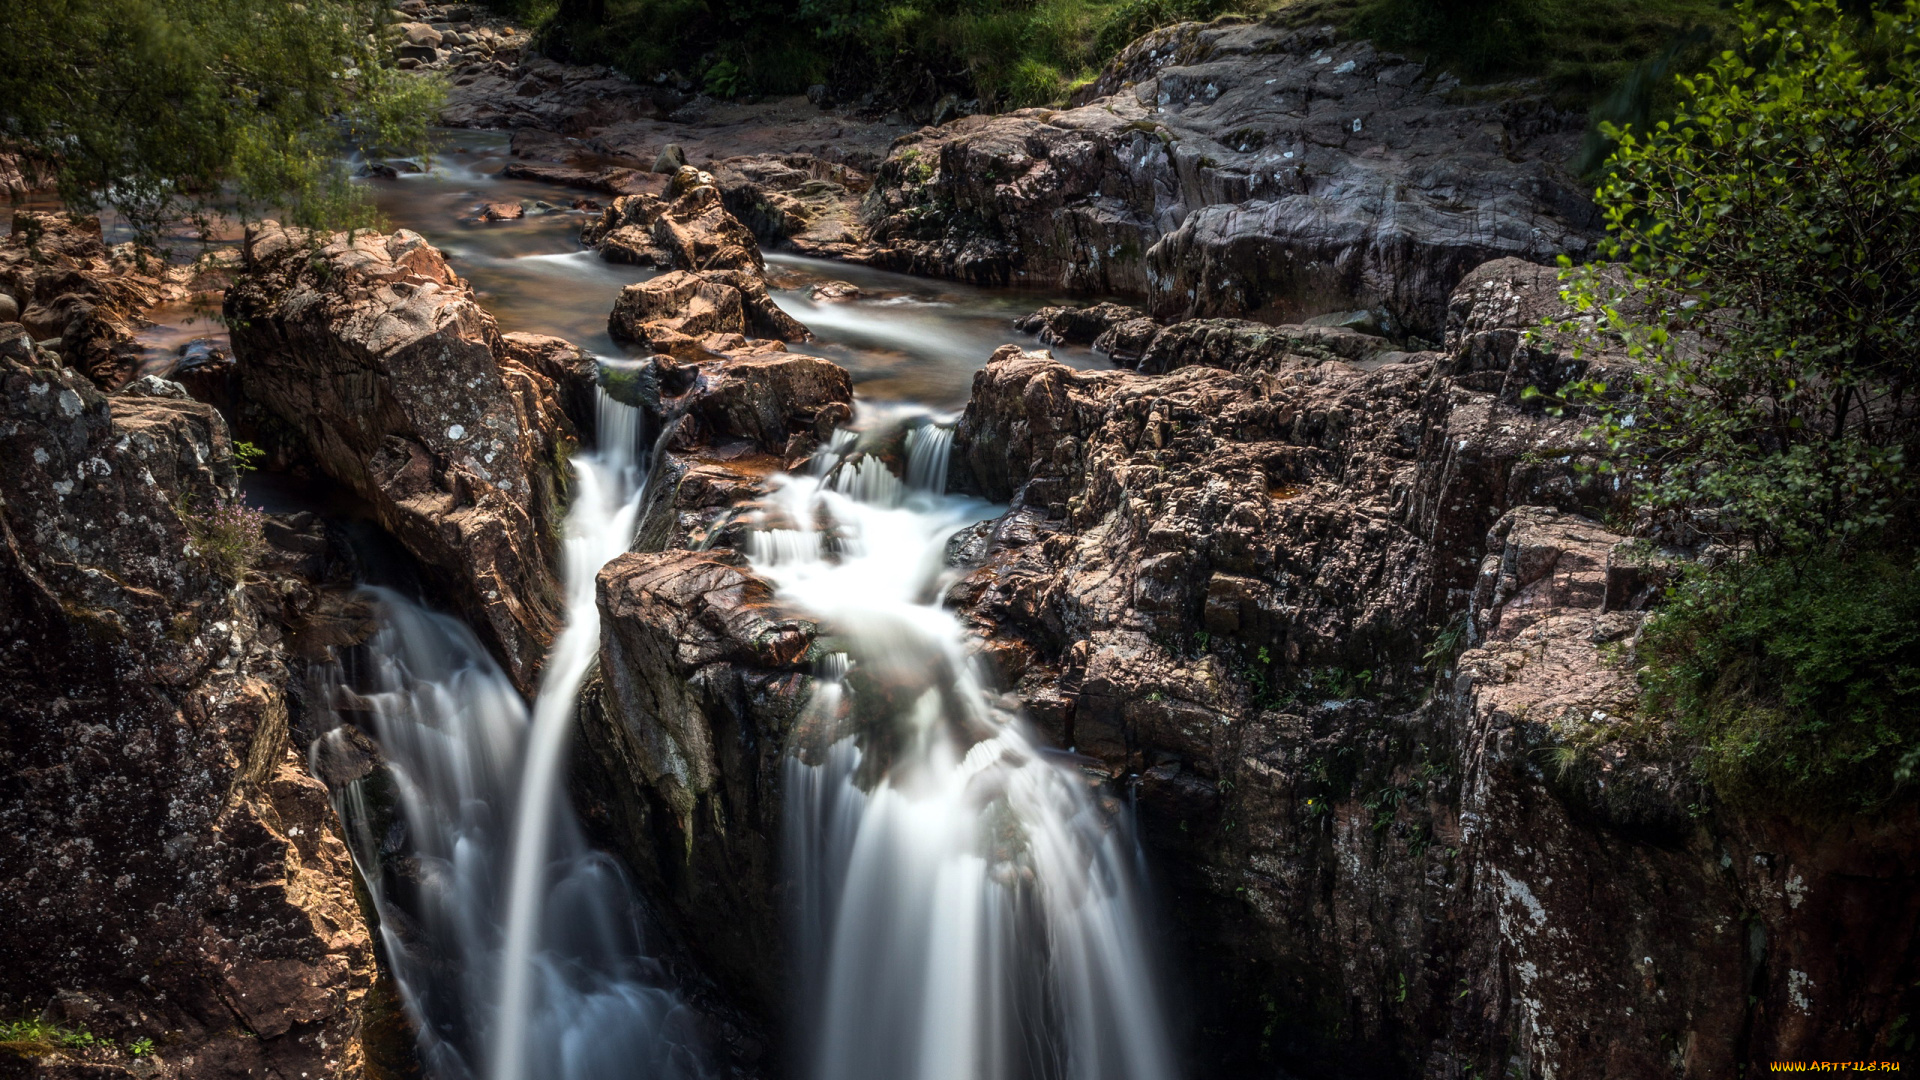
798 201
835 292
704 678
154 801
1241 170
72 287
611 180
9 308
1075 325
419 33
671 160
399 386
683 305
496 211
690 231
680 302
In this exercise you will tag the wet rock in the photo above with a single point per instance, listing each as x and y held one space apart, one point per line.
690 230
69 284
1241 170
665 312
498 211
835 292
797 201
167 866
400 387
1236 579
704 678
1076 325
611 180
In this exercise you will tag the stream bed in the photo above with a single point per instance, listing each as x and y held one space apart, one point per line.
970 901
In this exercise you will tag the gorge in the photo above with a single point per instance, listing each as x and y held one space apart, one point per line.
761 589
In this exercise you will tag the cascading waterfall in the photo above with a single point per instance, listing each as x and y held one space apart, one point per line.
527 959
968 904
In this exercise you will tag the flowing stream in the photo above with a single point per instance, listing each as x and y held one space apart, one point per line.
968 903
527 957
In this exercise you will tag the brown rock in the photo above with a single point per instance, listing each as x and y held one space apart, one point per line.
704 679
401 388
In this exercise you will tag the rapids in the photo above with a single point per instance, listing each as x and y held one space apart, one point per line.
967 901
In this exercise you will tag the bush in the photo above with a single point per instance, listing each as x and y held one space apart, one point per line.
1772 231
1010 53
153 107
1771 305
1797 681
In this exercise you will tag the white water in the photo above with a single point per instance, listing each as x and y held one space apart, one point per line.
968 908
527 960
600 527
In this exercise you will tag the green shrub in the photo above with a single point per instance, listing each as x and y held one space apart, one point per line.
1771 307
159 107
1801 682
1773 296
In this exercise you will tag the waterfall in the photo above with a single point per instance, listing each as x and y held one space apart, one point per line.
600 527
527 960
928 447
967 906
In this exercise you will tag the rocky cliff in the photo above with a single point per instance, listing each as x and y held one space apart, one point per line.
366 359
179 903
1344 622
1240 170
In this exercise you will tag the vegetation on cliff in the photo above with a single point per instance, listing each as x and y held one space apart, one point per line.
154 107
1772 229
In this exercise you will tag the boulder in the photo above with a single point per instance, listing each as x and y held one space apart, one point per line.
1075 325
1241 170
797 201
703 678
668 311
690 230
397 384
169 871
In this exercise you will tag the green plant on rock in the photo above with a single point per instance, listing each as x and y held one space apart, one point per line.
34 1035
1770 237
229 535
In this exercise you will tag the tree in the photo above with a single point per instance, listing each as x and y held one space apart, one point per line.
160 107
1772 229
1770 234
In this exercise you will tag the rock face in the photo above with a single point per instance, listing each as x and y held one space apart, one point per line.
702 680
1234 581
169 871
1240 170
1343 619
391 379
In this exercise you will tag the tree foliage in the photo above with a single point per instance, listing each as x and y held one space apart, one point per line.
157 107
1770 234
1008 52
1772 231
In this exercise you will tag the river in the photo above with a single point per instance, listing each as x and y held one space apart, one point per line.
970 904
